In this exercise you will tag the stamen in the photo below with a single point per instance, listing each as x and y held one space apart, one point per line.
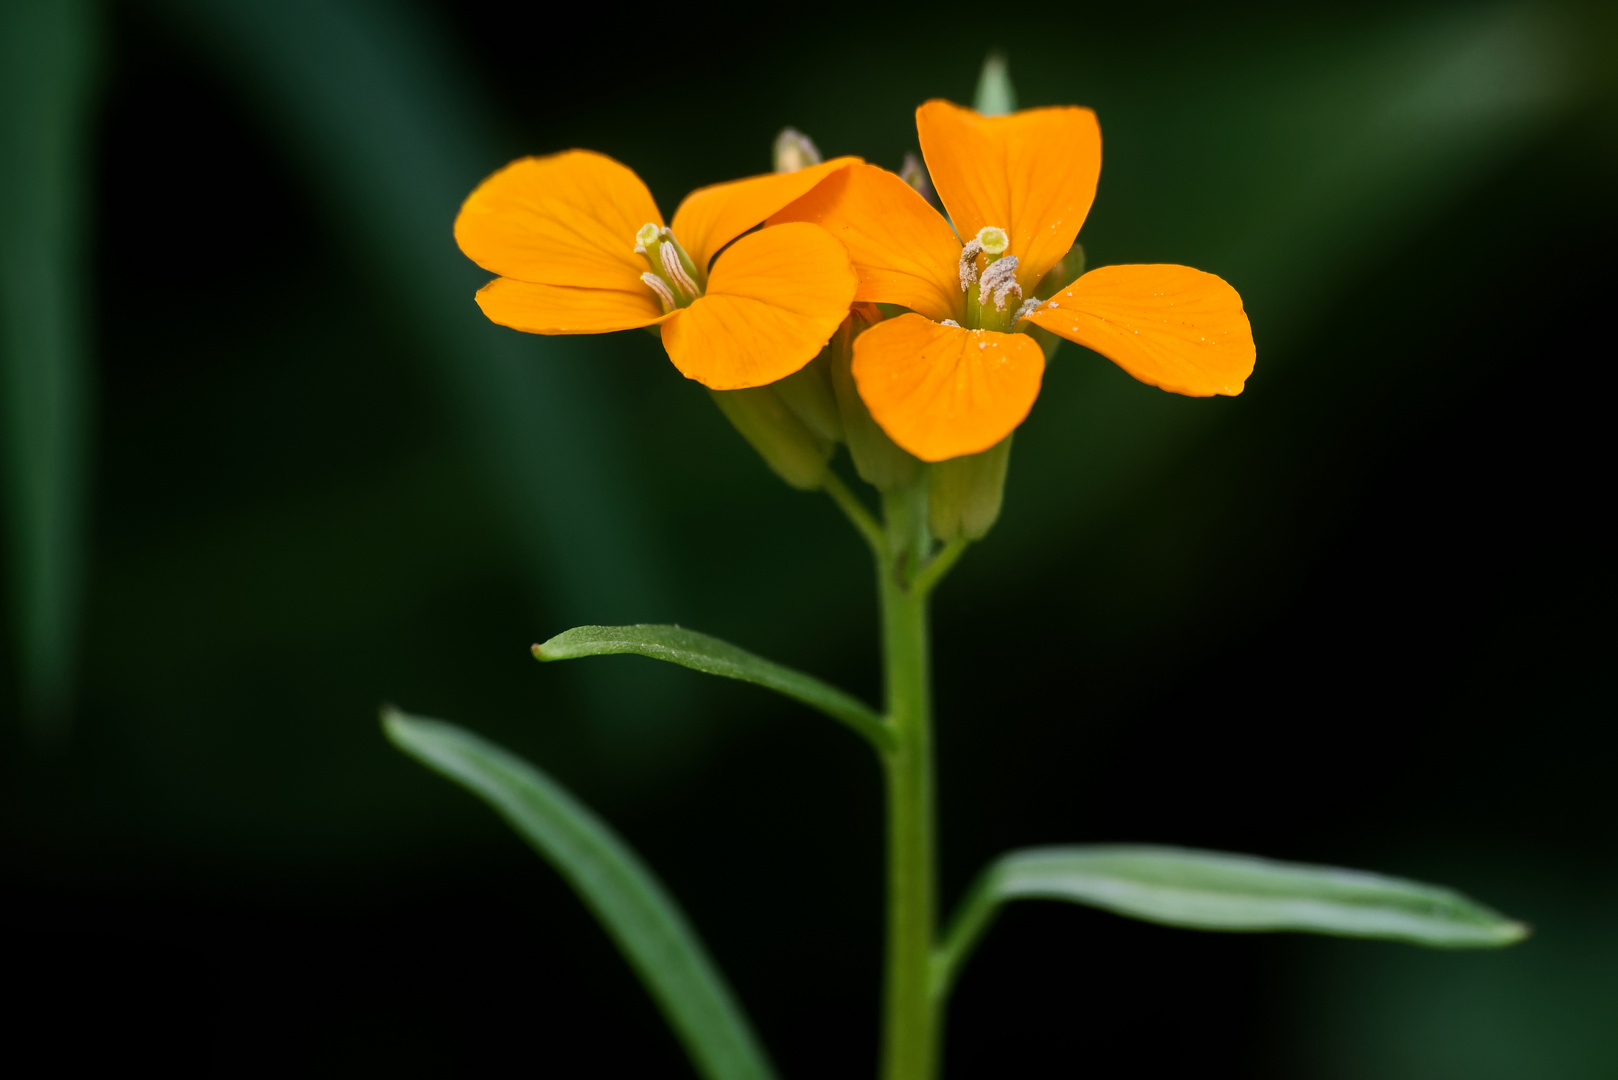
676 272
661 288
950 322
646 238
1027 309
1000 281
969 263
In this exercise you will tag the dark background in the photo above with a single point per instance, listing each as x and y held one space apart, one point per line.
1359 615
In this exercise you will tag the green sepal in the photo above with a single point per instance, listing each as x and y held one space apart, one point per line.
879 461
1066 271
627 899
786 444
964 493
808 393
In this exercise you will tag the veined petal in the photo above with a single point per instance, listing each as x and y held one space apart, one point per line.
712 217
559 309
1169 326
941 391
566 219
1032 173
774 299
904 250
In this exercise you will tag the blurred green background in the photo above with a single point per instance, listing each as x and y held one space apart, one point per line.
266 467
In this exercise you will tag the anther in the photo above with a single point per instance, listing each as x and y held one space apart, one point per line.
661 288
969 263
670 257
647 236
1000 281
1027 308
950 322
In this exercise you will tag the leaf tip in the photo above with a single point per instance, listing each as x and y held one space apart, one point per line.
1515 932
395 722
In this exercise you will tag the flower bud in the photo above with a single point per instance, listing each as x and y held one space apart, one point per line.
995 95
914 173
964 493
878 460
787 446
794 151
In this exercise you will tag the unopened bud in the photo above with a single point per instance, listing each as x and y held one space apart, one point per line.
794 151
964 493
995 95
914 173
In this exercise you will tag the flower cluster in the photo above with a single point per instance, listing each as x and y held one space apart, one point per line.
945 323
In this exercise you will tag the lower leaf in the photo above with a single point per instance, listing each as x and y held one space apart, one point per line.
1212 890
624 895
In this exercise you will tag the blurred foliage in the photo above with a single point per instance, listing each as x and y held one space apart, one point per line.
1352 616
47 72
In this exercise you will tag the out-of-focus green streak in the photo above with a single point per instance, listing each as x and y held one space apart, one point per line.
390 134
393 139
47 70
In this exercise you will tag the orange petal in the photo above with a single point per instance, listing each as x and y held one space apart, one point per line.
567 219
557 309
1169 326
903 249
1032 173
712 217
941 391
774 299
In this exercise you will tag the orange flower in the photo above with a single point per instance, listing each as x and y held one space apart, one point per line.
950 378
581 248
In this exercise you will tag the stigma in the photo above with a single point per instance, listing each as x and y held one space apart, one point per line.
991 242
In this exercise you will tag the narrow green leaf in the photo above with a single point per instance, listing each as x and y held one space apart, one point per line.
995 95
1213 890
622 893
708 654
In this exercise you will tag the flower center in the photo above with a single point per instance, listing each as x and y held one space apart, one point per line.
989 292
674 277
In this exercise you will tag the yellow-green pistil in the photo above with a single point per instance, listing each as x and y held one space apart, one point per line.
674 277
989 295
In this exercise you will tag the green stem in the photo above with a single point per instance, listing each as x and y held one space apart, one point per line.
857 514
909 1050
941 564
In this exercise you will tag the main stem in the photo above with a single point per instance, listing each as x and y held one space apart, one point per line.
909 1027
